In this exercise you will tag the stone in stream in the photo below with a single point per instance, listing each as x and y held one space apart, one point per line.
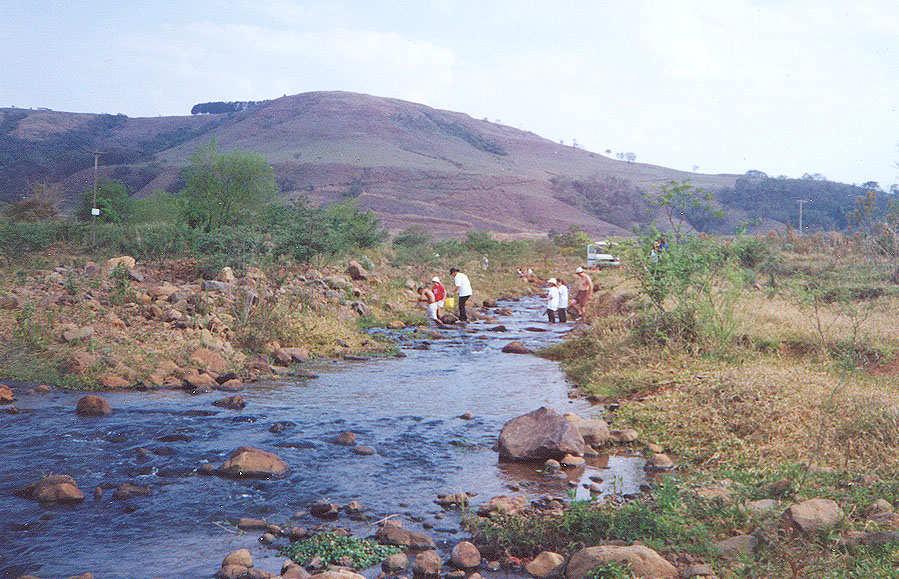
248 524
499 328
624 436
92 406
279 427
515 348
391 532
595 432
6 394
363 450
427 564
324 510
345 438
235 402
395 564
465 556
466 416
53 488
659 462
572 461
126 491
503 505
642 561
250 462
539 435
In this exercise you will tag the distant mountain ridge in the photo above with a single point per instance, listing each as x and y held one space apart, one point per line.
410 163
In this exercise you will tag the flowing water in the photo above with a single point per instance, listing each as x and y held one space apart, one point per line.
406 408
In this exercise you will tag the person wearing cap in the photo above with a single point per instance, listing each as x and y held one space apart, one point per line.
552 300
439 294
584 287
463 291
563 300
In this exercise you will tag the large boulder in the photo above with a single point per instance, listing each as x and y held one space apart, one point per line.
91 405
427 564
539 435
465 556
126 261
54 488
516 348
813 515
250 462
393 533
595 432
642 561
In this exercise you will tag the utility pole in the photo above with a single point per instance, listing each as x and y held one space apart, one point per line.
801 202
95 211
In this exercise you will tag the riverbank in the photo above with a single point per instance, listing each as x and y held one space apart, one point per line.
783 435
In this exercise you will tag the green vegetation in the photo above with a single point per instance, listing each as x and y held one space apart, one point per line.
337 549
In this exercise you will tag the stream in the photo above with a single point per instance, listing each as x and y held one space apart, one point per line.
406 408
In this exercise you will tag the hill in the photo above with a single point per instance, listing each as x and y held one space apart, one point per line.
410 163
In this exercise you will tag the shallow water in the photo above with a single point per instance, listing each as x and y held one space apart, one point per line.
406 408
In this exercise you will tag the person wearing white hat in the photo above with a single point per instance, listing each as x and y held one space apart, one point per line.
439 295
552 300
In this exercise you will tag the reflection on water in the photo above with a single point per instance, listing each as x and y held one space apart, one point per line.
405 408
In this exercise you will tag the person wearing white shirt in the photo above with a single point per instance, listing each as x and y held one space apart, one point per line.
552 300
463 291
563 301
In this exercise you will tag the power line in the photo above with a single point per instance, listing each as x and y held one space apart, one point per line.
801 202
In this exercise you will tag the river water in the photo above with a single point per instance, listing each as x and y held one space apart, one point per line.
406 408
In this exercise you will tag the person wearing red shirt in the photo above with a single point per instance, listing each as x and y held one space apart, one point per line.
439 293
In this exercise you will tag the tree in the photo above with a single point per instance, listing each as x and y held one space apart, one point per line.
113 200
227 188
682 202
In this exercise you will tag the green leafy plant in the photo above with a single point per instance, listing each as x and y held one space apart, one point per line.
336 549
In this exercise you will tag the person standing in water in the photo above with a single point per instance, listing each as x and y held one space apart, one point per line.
552 300
426 296
584 285
439 294
563 300
463 291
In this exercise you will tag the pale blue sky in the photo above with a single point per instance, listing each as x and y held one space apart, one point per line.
784 87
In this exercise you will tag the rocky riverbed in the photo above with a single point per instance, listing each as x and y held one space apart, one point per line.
422 425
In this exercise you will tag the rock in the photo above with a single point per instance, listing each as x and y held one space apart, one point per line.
539 435
267 538
125 261
281 357
393 533
654 448
499 328
77 334
516 348
659 462
279 427
466 416
41 389
324 510
573 461
736 546
871 538
715 491
453 501
291 570
126 491
338 574
623 436
337 282
226 275
356 272
231 385
595 432
91 405
345 438
760 507
395 564
54 488
880 506
250 462
781 488
698 570
465 555
206 359
206 469
298 533
546 564
427 564
552 466
6 394
210 285
643 561
297 355
248 524
113 381
9 302
396 325
79 363
87 575
231 403
503 505
813 515
200 381
364 450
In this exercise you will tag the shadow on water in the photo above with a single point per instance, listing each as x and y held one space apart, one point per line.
407 409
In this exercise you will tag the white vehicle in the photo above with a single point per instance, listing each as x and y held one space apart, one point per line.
598 256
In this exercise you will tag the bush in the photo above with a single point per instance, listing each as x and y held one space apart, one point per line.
331 548
113 200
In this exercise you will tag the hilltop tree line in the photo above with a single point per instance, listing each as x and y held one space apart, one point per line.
222 107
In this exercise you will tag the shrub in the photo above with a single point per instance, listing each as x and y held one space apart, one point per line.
331 548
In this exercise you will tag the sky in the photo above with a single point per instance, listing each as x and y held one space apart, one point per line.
786 87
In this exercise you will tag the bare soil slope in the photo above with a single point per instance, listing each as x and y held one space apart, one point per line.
412 164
